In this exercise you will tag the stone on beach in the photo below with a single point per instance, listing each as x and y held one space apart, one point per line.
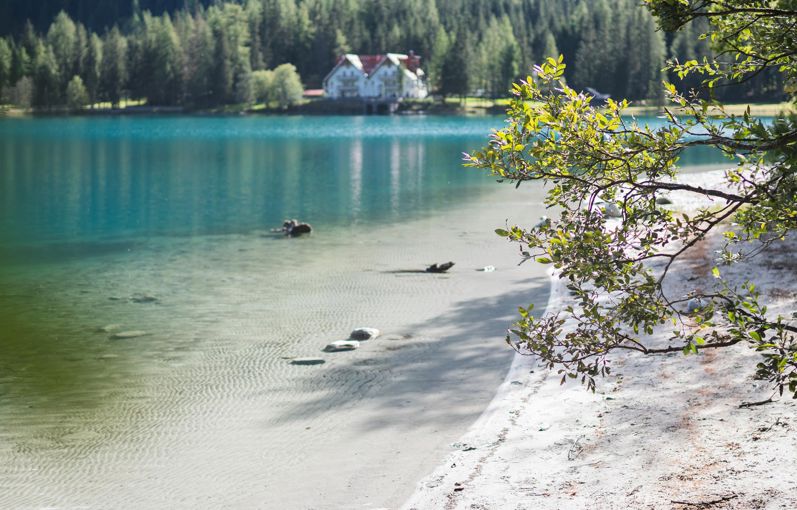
128 334
610 209
308 361
342 345
364 334
695 305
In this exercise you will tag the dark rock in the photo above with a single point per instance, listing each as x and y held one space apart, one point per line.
294 228
300 229
308 361
364 334
441 268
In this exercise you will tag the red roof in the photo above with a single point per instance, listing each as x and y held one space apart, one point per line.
370 62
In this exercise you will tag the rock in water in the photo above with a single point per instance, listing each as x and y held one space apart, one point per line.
300 229
342 345
663 201
143 298
308 361
122 335
441 268
364 334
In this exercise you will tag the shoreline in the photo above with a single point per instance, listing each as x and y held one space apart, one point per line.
673 423
321 108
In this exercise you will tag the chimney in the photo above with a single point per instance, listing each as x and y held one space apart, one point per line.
413 61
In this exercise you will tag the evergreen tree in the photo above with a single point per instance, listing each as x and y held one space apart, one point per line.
92 67
456 71
46 82
62 39
199 61
5 66
113 76
164 51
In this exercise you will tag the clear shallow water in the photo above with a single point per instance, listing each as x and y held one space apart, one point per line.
97 213
68 182
77 187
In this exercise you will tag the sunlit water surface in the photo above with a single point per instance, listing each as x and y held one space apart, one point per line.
161 225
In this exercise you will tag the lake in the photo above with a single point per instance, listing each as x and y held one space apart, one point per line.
159 227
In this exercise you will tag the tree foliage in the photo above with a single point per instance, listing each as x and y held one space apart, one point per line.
76 95
596 162
201 53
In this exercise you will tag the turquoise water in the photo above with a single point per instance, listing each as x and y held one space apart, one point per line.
77 187
108 182
160 225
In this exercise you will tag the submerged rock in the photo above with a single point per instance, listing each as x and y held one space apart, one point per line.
108 328
128 334
441 268
294 228
143 298
308 361
342 345
300 229
364 334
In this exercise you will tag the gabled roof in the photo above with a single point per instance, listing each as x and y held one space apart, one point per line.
368 64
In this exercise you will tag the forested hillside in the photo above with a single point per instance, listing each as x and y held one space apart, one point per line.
203 53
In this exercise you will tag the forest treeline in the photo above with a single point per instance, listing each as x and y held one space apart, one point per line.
208 53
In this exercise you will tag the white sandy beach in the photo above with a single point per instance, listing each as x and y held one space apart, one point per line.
664 432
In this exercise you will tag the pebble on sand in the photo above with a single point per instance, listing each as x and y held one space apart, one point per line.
364 334
128 334
308 361
342 345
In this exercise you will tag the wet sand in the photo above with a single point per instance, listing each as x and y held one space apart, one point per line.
206 411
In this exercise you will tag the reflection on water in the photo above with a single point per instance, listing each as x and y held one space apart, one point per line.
93 211
66 180
97 216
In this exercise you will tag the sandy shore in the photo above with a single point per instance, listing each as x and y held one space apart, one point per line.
664 433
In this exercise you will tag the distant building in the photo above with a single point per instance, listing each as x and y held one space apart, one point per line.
390 76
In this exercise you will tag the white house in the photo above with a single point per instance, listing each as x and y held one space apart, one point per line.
390 76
